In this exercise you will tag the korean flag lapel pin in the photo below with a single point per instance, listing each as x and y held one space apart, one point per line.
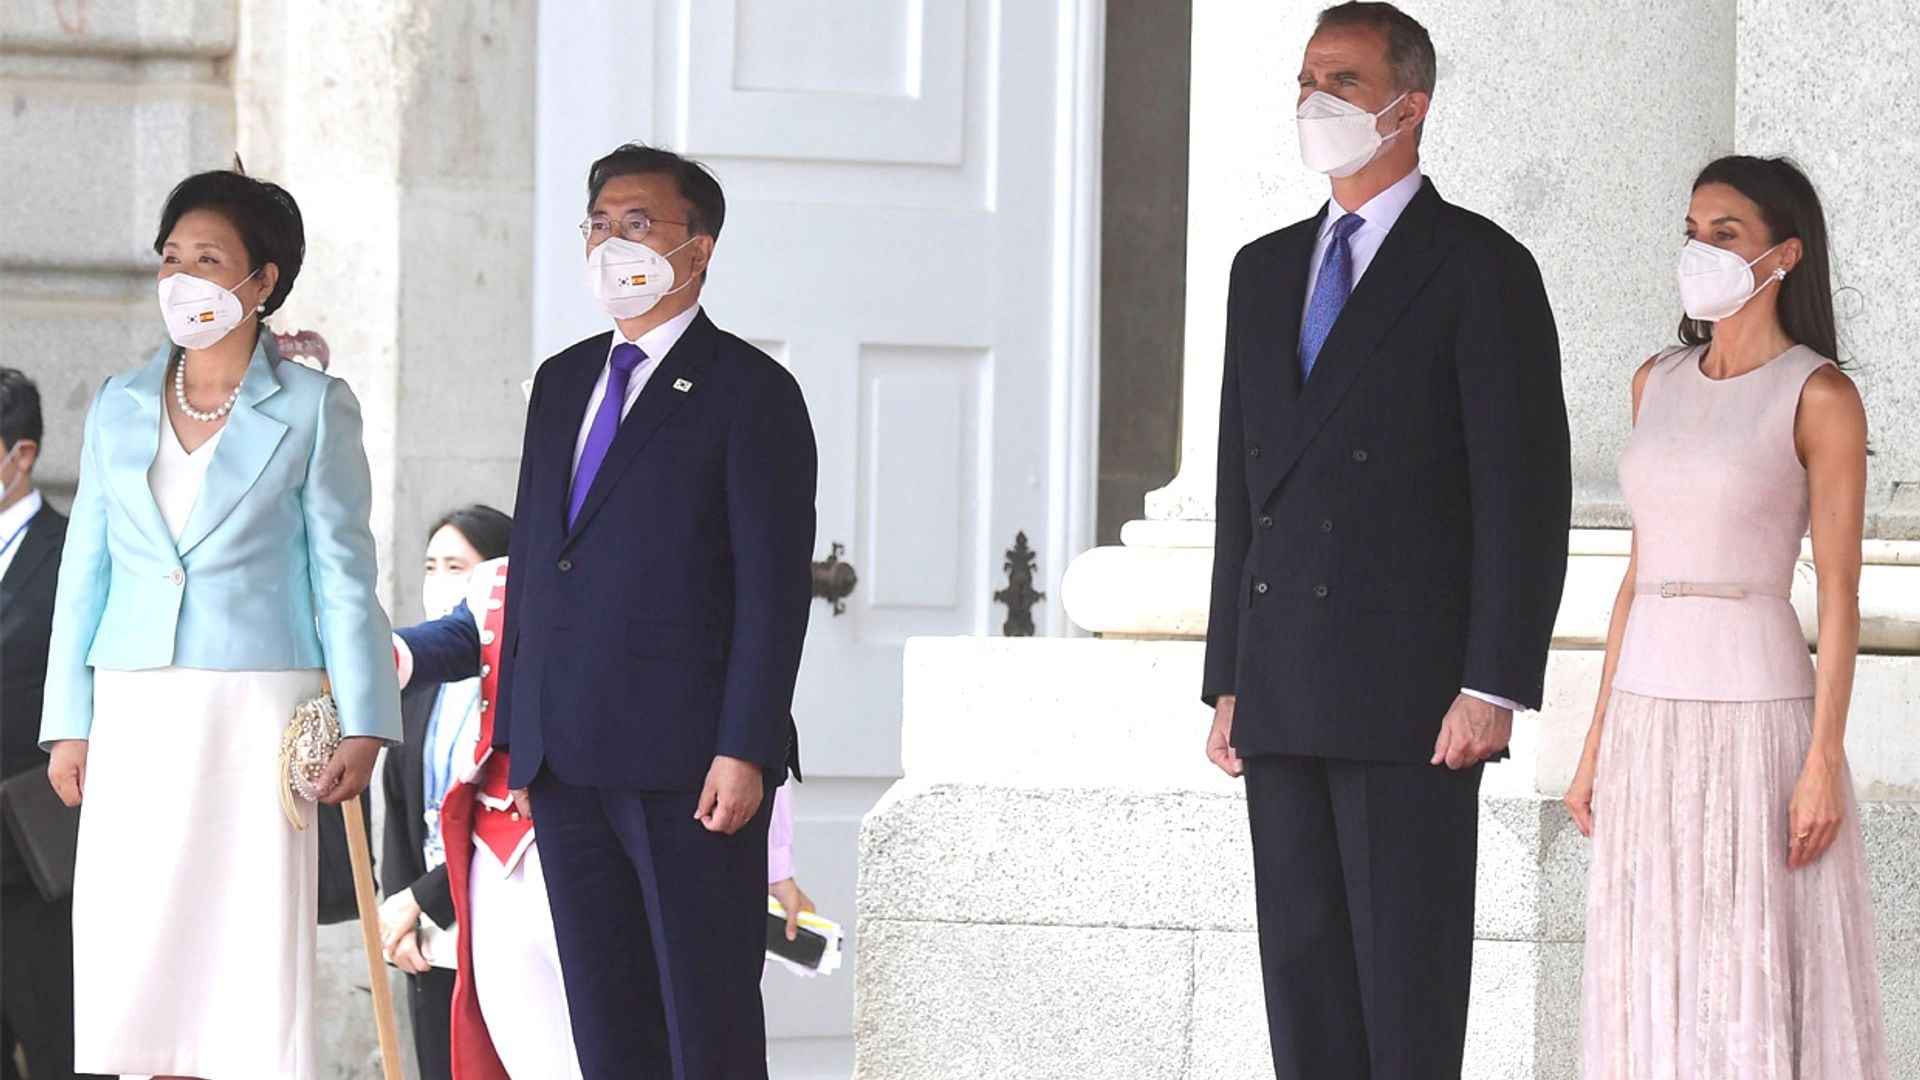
683 385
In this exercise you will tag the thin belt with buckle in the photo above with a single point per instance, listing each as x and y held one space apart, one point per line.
1671 589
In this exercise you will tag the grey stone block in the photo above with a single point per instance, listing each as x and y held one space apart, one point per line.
938 1001
1891 832
1058 858
1523 1020
72 209
1229 1031
119 27
69 347
1786 106
1532 876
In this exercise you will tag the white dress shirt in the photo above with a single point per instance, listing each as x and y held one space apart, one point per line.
13 527
1378 216
656 343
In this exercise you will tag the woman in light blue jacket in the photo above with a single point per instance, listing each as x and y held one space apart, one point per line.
218 564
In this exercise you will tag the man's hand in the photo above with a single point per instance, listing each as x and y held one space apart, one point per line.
522 803
67 770
790 897
732 795
1220 739
407 955
1473 731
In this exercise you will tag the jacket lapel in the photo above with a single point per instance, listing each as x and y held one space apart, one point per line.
1399 269
246 444
126 433
1268 334
575 372
657 402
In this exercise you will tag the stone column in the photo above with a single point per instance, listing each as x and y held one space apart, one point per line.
405 129
103 113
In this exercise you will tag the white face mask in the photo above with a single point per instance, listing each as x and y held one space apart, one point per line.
1338 137
199 312
441 593
1715 282
629 278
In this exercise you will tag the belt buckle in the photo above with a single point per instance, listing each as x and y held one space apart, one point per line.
1669 590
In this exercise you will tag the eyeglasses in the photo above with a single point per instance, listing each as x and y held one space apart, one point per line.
632 226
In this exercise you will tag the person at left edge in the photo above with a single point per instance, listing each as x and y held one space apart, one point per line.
36 934
649 709
217 564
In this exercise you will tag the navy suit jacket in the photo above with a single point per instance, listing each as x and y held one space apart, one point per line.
665 626
1395 529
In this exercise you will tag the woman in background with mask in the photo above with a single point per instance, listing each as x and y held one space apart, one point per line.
218 564
1729 926
441 725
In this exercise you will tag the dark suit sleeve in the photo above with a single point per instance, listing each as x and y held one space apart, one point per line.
770 476
435 898
517 541
444 650
396 839
1518 472
1232 526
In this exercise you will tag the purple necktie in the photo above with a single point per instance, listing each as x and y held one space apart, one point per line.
1330 291
606 422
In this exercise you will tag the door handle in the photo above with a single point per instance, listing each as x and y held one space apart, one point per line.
833 580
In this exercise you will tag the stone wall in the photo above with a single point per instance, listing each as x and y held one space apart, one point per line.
1062 885
1579 127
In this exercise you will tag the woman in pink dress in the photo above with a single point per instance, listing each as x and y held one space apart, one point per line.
1729 926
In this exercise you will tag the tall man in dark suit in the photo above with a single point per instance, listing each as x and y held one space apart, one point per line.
1391 543
661 551
36 935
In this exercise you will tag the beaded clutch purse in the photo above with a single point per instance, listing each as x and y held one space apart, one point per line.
306 747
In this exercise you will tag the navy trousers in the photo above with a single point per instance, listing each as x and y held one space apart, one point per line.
1364 880
662 931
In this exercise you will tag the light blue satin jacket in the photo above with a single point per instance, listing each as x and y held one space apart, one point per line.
274 570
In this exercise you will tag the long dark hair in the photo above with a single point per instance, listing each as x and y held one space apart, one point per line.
1790 209
483 526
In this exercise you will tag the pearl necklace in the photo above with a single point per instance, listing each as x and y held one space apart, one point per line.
180 396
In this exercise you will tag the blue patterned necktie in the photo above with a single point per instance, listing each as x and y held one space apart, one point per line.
1329 293
606 422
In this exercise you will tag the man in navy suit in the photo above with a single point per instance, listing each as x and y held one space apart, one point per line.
661 550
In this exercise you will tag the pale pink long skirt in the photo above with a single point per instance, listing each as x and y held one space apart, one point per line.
1707 958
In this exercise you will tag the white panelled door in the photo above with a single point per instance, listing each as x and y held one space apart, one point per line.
911 190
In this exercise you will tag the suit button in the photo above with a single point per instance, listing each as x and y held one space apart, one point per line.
1326 525
178 577
1254 453
566 565
1360 455
1266 521
1260 587
1320 591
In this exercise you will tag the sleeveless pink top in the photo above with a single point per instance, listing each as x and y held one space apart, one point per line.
1719 503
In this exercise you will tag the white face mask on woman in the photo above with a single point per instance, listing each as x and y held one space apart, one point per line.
1338 137
440 593
629 278
1715 282
199 312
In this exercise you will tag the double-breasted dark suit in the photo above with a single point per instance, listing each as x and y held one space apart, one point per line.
1391 530
663 628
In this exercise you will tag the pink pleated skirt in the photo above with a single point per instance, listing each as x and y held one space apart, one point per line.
1706 957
